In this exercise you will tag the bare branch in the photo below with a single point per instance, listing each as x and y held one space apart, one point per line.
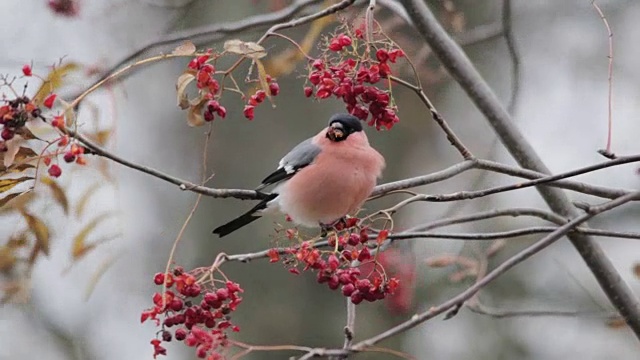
463 71
458 300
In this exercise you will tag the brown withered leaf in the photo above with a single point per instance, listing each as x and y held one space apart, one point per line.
15 291
249 49
84 199
80 246
181 89
16 201
8 184
26 133
40 230
187 48
262 76
18 241
58 193
15 168
54 80
194 114
8 198
7 258
636 270
16 154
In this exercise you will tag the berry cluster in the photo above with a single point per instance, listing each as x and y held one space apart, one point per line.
15 114
334 267
203 72
259 97
201 324
349 75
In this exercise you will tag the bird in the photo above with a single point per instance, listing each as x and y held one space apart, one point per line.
321 180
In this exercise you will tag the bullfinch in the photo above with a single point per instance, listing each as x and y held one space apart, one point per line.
320 180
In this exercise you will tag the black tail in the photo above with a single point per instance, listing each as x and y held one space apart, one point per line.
243 219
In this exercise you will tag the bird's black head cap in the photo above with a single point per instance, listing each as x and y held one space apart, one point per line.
343 125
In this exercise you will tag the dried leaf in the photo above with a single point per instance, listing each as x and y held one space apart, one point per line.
194 115
40 230
187 48
26 133
58 193
84 199
16 201
262 76
15 168
7 258
8 184
102 137
18 241
8 198
69 114
97 275
636 270
441 261
80 247
249 49
181 87
16 154
54 80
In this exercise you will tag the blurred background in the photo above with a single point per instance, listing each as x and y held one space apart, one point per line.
90 308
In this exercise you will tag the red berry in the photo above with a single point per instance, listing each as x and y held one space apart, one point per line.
158 278
335 45
166 336
181 334
333 262
348 289
308 91
318 64
248 112
176 304
274 88
364 254
26 70
223 294
69 157
382 55
260 96
49 100
54 171
221 111
344 40
208 116
356 297
7 134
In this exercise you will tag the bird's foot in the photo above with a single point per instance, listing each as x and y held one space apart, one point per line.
335 226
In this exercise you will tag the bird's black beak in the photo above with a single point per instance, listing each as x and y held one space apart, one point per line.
335 133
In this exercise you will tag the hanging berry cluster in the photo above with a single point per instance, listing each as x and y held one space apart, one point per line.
334 267
209 80
351 70
16 113
198 312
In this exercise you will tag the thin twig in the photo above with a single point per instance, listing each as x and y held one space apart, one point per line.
458 300
507 31
607 151
463 71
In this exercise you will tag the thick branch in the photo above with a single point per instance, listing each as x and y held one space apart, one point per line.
463 71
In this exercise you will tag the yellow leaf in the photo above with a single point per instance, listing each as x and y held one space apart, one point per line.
262 76
181 87
187 48
54 80
8 184
16 201
58 193
80 246
249 49
69 114
84 199
40 230
18 241
7 258
194 115
101 137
